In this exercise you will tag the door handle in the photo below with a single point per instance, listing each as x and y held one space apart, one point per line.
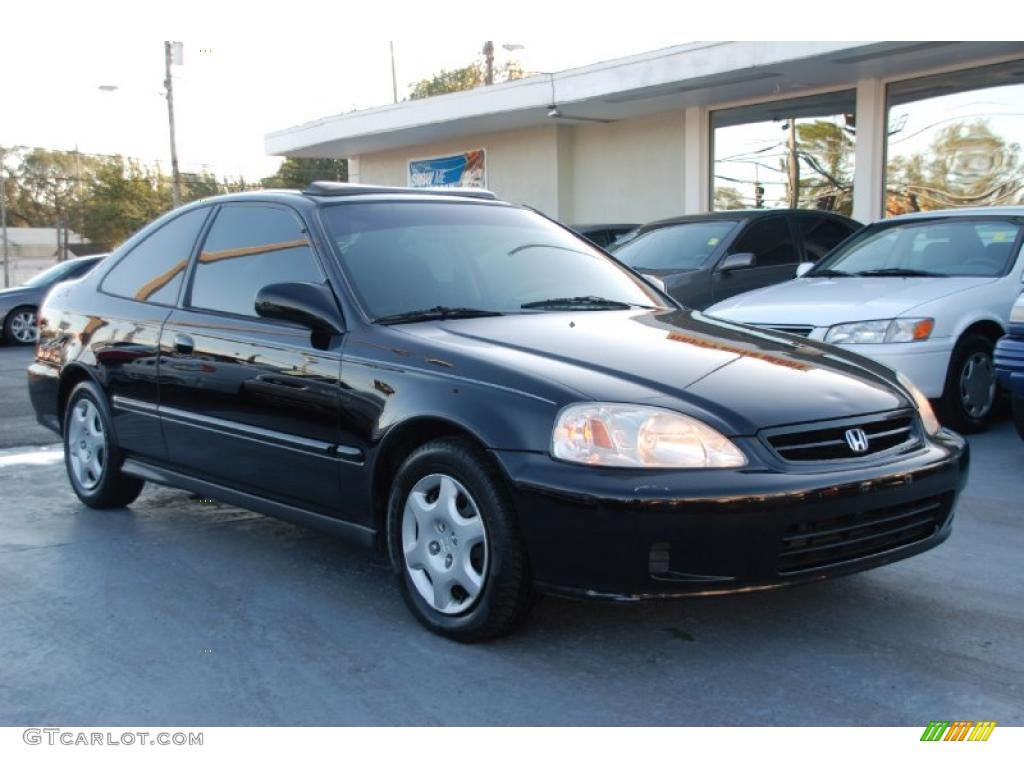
183 343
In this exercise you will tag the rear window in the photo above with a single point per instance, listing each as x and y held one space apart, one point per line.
679 246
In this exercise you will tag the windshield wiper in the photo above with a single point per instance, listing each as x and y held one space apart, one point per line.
898 272
827 273
580 302
435 313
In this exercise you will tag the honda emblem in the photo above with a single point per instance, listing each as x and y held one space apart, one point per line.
857 439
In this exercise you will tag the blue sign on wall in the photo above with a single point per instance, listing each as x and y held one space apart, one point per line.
465 170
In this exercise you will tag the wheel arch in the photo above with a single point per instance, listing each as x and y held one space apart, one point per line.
399 442
987 327
70 377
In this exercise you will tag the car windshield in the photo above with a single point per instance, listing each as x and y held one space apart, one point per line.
940 248
680 246
53 274
449 260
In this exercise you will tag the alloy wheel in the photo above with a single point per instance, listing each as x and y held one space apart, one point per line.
23 326
444 542
87 444
978 385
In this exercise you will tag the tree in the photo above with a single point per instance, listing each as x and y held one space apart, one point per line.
966 164
122 197
728 199
298 172
827 149
463 79
197 186
47 187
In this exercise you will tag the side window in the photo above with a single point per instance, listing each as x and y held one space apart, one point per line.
250 246
770 240
821 234
153 270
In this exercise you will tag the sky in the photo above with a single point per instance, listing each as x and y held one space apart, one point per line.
244 74
254 67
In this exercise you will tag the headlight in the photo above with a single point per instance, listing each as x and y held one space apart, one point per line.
613 435
924 407
1017 312
881 331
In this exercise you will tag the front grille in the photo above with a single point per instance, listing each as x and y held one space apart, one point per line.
795 330
820 543
828 441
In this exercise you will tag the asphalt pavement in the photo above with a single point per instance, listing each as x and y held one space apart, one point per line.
183 612
17 421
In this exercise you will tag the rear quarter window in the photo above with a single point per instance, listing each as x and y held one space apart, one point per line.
154 269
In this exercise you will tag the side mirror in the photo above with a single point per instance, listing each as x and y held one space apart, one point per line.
736 261
308 304
656 281
803 268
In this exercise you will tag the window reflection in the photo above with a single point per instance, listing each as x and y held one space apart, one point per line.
953 140
796 153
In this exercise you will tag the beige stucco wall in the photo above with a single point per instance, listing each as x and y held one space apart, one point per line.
630 170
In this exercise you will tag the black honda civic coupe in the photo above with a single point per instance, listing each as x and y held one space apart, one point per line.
497 404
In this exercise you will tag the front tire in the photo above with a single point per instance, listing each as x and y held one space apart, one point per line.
20 326
91 456
455 545
969 397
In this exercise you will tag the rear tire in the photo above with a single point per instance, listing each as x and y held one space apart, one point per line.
20 326
455 545
969 398
91 456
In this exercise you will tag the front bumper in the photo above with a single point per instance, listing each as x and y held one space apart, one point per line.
924 362
626 535
1009 361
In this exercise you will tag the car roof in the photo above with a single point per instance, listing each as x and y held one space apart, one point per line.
991 210
592 227
322 192
739 214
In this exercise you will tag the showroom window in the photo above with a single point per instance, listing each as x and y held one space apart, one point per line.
796 153
954 140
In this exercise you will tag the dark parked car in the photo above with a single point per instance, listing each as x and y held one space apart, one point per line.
18 305
604 235
1009 361
496 403
705 258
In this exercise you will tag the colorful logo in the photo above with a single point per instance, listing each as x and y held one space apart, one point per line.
958 730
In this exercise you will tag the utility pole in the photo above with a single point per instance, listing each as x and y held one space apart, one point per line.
794 167
489 59
394 80
172 52
3 218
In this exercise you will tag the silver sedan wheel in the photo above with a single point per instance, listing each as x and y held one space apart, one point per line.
444 543
23 326
87 444
978 385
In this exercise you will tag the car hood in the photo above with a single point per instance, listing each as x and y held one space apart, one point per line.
740 380
824 301
10 296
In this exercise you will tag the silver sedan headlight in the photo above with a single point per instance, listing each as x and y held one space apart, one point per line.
622 435
881 331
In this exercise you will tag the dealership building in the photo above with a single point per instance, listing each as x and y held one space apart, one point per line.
868 128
